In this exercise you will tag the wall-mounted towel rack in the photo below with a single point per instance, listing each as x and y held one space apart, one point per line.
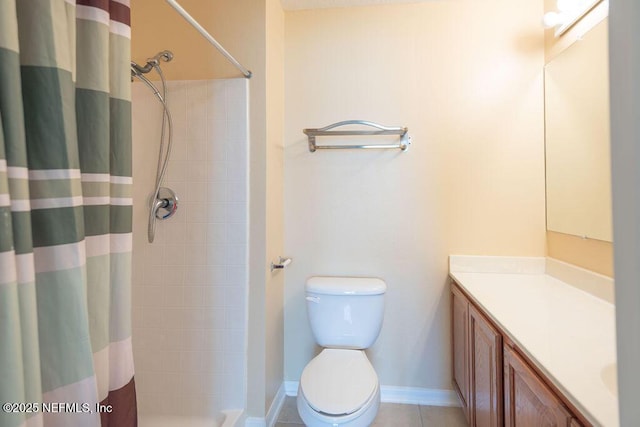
405 139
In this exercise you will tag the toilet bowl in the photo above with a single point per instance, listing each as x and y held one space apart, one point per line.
339 387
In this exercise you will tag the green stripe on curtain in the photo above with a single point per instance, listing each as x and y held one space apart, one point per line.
121 154
12 368
63 327
104 219
94 73
121 218
93 130
104 189
11 108
30 342
95 189
120 326
20 354
57 226
20 351
19 188
55 188
122 190
119 67
98 279
9 25
3 155
4 181
22 238
10 314
6 231
50 118
47 34
97 220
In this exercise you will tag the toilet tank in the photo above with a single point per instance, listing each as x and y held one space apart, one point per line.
345 312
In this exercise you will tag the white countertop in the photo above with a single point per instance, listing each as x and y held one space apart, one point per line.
568 333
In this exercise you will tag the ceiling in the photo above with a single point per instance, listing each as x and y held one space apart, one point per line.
320 4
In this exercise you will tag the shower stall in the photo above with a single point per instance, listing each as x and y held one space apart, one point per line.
190 272
190 284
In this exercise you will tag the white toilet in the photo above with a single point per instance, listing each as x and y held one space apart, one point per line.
339 387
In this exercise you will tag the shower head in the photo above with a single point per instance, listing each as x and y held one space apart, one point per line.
165 55
152 62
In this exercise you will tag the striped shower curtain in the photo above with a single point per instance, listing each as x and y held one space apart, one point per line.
65 214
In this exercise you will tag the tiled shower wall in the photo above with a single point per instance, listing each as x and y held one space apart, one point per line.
190 285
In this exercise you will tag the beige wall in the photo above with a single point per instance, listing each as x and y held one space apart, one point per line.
590 254
246 29
594 255
466 78
274 322
237 25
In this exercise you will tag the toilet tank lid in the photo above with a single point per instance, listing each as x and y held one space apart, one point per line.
346 285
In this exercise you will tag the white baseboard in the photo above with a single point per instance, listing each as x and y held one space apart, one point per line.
291 388
272 415
418 396
255 422
233 418
406 395
276 406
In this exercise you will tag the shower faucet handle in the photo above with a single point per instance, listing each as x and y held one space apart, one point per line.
166 203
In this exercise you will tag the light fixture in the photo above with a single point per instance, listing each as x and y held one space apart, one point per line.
557 18
552 19
568 13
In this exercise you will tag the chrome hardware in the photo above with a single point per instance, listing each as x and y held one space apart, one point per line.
166 204
137 70
405 139
282 263
163 203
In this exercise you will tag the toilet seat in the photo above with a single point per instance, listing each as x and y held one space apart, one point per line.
338 382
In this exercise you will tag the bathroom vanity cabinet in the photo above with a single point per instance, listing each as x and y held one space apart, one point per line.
528 401
460 349
477 363
496 384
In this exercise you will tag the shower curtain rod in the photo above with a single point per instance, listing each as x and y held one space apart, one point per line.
174 4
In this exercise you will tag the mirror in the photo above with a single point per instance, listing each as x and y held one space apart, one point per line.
578 171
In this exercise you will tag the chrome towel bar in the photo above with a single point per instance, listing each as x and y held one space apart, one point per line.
379 129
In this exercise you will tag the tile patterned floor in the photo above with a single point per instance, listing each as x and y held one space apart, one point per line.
389 415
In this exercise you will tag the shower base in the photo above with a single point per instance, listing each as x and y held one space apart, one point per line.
224 419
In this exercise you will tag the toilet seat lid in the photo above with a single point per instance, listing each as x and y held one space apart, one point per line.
338 381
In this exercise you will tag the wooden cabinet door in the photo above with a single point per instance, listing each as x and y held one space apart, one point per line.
460 343
528 401
485 354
